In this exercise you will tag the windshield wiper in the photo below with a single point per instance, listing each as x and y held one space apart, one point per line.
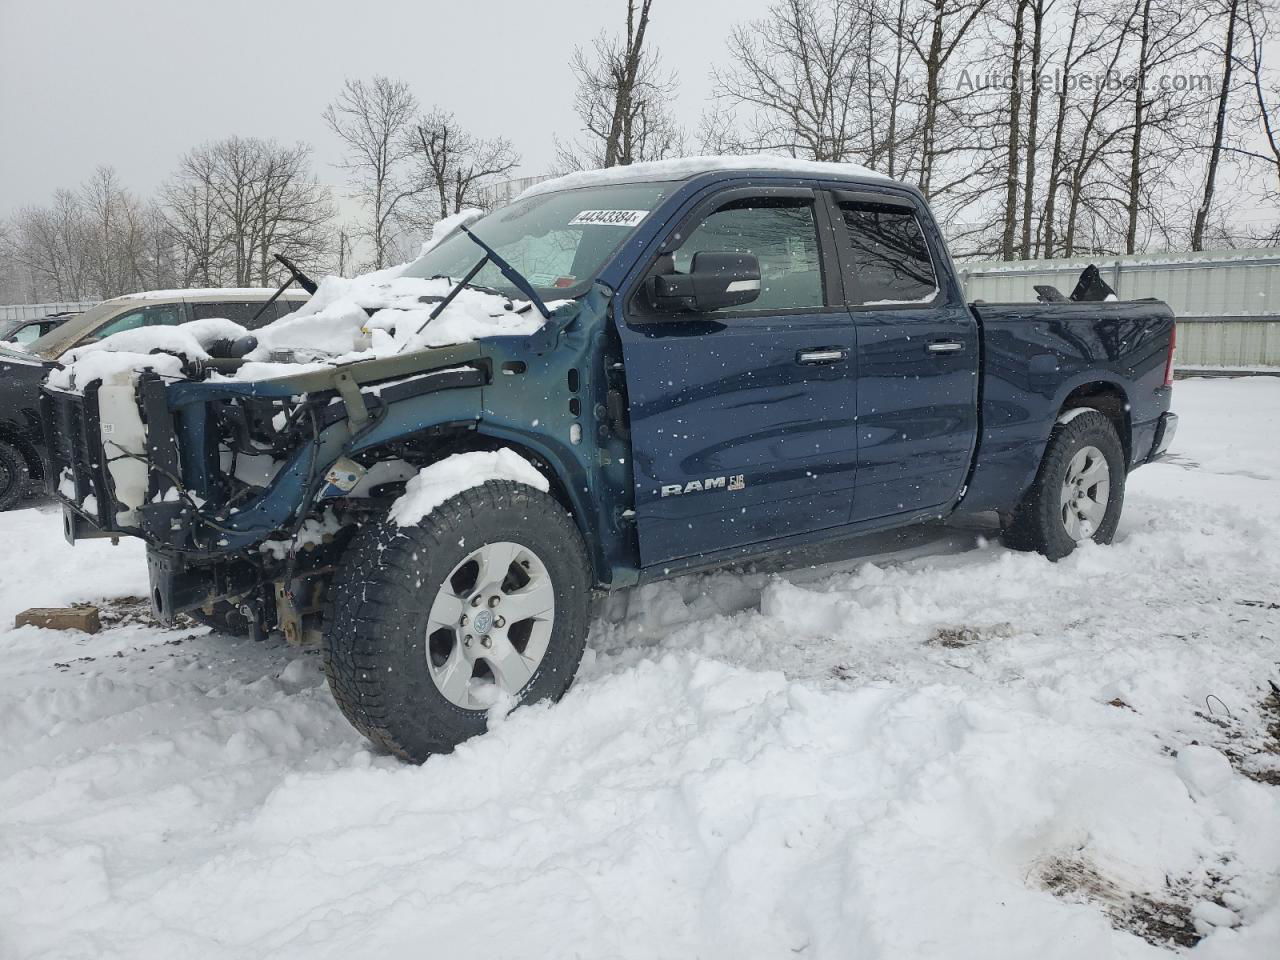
473 286
305 282
452 294
511 273
490 256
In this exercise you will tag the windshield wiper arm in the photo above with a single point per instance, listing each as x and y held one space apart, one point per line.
474 286
490 256
453 293
511 273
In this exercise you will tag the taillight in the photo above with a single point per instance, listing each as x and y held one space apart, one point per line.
1168 363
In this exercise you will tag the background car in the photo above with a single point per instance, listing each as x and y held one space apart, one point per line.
22 453
25 331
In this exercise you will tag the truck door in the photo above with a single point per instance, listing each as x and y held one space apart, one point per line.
742 418
917 356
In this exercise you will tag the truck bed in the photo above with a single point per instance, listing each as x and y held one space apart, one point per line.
1034 356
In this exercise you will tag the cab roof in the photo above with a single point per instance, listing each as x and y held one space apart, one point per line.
683 168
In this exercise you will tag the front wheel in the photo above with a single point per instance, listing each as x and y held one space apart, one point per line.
1078 492
483 602
14 476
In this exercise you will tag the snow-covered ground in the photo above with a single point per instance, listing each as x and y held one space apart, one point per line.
951 751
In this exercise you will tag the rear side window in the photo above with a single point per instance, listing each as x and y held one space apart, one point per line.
239 312
888 257
165 315
781 233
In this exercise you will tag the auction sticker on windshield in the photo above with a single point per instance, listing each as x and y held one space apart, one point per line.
609 218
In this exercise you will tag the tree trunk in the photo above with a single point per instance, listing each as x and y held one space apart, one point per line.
1055 160
933 68
1038 10
1220 123
1139 121
896 88
1015 131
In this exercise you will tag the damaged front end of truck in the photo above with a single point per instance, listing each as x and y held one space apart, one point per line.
247 491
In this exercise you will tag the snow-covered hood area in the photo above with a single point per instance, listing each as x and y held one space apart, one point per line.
347 320
338 320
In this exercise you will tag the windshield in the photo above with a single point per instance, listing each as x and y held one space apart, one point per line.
559 241
57 341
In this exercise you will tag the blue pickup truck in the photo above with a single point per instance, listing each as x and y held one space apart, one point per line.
719 360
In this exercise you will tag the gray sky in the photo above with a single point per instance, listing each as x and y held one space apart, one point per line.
134 83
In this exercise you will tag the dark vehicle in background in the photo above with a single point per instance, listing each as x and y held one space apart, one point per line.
23 332
745 361
22 459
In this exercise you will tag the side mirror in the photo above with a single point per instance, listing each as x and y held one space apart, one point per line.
715 280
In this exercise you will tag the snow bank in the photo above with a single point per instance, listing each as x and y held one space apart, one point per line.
683 167
447 478
953 751
130 351
80 369
443 228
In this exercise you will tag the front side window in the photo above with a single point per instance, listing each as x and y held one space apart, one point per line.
888 256
781 233
168 315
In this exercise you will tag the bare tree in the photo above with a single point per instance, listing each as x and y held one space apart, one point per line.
52 245
191 204
891 97
802 69
719 133
935 38
1228 57
621 99
116 235
1078 50
1038 10
457 166
236 202
94 242
1014 153
374 120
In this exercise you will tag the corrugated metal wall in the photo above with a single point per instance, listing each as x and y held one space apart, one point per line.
1227 302
34 311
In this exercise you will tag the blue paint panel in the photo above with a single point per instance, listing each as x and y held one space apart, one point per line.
1034 356
917 410
711 400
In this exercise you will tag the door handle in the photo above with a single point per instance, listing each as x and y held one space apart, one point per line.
818 357
945 346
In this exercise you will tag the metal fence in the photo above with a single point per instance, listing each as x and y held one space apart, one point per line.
1227 302
34 311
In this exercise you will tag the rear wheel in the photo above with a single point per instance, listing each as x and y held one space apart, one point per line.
15 477
484 601
1078 493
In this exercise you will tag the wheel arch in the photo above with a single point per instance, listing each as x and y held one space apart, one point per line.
559 474
1110 399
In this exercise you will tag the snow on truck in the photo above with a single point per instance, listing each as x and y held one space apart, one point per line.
621 376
